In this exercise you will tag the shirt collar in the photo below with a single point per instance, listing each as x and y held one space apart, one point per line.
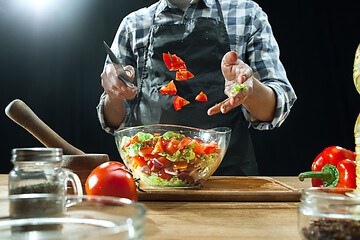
163 5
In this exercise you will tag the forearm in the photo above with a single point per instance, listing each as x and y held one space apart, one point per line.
261 104
114 112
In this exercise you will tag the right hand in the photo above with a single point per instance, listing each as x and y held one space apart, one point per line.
114 87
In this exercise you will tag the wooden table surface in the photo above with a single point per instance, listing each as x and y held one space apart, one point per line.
218 220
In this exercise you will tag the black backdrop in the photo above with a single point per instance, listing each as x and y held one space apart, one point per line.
51 58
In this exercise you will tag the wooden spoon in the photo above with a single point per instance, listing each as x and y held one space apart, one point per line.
20 113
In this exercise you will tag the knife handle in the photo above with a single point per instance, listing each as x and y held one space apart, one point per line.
120 71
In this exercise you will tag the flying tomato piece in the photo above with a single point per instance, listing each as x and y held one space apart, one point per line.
169 89
179 102
183 75
201 97
173 62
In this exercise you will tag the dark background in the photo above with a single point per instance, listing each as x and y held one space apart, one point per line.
52 57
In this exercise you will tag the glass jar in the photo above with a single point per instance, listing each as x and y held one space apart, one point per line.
38 170
329 213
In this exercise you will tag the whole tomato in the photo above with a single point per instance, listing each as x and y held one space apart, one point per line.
110 179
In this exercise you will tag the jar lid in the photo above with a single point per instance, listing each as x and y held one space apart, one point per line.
36 154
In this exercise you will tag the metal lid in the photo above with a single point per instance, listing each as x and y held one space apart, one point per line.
36 154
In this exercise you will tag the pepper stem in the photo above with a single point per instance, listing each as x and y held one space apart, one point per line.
329 175
170 56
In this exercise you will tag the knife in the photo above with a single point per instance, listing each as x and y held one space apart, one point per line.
119 68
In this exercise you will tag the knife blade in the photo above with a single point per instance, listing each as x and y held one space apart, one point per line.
119 68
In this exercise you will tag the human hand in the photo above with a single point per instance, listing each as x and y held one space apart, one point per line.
114 87
235 72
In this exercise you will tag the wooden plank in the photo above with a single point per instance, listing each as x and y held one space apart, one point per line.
218 188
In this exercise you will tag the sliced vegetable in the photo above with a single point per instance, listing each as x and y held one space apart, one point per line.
169 89
238 88
179 102
201 97
173 62
183 75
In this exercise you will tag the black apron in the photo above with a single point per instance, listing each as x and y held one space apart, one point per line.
201 43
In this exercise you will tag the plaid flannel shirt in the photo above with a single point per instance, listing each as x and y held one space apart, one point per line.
250 35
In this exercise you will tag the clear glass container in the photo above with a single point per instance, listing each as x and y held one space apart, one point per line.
329 213
88 217
38 170
195 168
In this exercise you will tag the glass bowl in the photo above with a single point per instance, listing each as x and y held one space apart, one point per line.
51 216
329 213
172 156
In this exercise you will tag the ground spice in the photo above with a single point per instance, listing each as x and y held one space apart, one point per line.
38 188
332 229
37 207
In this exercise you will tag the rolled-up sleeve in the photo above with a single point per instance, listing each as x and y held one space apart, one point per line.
264 58
100 114
120 47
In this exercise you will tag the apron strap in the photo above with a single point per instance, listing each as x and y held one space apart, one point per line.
218 6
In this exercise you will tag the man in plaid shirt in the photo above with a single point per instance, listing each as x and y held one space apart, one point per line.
224 43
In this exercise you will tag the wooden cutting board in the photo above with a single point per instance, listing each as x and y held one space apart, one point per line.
218 188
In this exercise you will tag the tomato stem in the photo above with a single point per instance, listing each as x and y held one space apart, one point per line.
136 180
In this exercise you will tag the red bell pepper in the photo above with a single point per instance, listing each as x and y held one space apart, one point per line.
179 102
169 89
334 167
183 75
173 62
201 97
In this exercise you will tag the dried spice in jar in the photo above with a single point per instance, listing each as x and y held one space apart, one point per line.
37 186
332 229
329 214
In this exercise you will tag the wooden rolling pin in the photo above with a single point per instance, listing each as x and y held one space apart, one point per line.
20 113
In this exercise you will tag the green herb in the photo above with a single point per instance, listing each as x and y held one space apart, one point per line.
143 137
238 88
170 56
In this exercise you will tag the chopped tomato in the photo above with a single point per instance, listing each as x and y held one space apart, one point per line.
164 175
196 149
181 166
210 147
169 89
185 142
183 75
131 141
150 143
138 160
146 151
172 147
201 97
204 148
164 161
159 147
173 62
179 102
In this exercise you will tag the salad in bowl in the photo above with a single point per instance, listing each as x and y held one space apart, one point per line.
172 156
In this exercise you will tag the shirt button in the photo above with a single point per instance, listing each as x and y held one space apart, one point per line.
186 17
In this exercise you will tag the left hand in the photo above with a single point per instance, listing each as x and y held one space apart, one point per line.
235 72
